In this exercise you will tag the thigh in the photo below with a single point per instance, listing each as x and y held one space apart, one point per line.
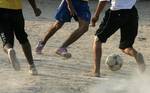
6 29
110 24
129 32
19 30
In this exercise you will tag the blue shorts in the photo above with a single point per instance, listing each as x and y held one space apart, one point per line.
81 8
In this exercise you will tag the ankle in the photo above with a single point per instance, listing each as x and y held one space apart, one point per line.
41 42
32 65
10 49
62 49
96 71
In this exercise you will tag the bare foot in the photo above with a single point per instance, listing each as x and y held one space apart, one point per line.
92 74
140 61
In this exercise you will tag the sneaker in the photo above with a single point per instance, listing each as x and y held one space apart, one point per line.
13 59
140 61
39 47
32 70
63 52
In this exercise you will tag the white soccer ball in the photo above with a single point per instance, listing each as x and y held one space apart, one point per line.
114 62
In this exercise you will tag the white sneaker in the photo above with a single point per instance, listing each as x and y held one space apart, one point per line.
13 59
32 70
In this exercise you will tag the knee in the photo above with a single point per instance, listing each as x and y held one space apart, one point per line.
96 39
97 43
7 46
25 42
57 25
84 28
125 50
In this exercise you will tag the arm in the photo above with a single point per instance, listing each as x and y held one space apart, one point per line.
70 7
99 9
37 11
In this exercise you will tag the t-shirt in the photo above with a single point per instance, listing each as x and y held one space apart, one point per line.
121 4
11 4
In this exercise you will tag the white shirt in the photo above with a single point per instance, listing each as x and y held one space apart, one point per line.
121 4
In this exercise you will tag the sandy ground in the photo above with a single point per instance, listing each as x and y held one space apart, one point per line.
59 75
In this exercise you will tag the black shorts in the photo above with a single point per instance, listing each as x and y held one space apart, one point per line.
12 23
126 20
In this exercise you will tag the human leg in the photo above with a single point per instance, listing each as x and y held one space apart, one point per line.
108 27
138 57
83 27
21 36
128 34
8 49
7 36
97 53
52 30
28 54
62 16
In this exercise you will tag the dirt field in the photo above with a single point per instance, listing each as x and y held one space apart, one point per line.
59 75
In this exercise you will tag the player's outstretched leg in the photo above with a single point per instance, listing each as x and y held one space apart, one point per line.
83 27
138 57
52 30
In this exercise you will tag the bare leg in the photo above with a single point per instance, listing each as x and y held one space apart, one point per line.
97 51
28 52
83 27
138 57
52 30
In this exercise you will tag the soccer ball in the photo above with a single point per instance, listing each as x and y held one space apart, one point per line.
114 62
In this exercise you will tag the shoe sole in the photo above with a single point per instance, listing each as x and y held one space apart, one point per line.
67 55
13 59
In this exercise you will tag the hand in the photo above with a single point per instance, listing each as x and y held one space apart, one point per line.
94 20
37 12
